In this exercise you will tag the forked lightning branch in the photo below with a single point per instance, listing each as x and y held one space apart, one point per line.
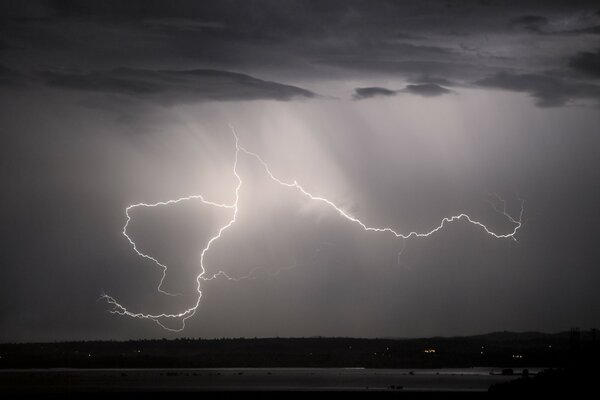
182 316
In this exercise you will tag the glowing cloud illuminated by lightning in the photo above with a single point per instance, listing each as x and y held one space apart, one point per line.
182 316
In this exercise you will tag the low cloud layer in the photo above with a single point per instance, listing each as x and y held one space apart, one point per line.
548 91
587 63
369 92
166 86
424 90
533 23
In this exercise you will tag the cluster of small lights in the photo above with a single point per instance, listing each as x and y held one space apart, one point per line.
119 309
429 351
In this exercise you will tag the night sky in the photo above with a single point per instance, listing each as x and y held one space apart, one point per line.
401 113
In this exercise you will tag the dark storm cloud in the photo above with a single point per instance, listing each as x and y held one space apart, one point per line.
532 23
587 62
413 70
185 24
549 91
393 58
582 23
6 73
426 79
296 38
10 77
426 90
591 29
369 92
166 86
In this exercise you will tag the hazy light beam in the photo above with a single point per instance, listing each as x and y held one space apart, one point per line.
188 313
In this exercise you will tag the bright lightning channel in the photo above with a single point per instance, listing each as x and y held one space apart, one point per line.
119 309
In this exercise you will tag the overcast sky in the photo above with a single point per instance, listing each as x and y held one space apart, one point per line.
402 113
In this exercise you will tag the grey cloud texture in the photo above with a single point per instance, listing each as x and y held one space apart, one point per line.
302 40
532 23
587 62
368 92
549 91
424 89
10 77
166 86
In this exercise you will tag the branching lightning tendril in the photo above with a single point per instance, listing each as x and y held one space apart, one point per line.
117 308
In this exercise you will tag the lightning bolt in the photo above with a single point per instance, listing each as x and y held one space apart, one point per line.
164 203
183 316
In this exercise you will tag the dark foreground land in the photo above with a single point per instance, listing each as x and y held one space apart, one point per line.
502 349
507 362
272 379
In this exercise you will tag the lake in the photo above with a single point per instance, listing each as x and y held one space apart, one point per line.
232 379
